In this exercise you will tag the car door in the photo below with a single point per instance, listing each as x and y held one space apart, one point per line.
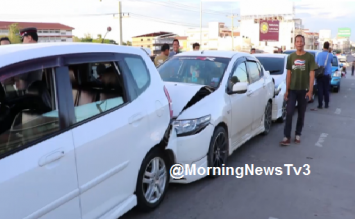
110 123
37 158
241 104
256 93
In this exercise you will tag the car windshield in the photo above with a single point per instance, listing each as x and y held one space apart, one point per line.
335 61
274 65
196 70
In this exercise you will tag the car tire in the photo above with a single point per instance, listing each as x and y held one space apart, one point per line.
267 118
156 180
284 113
219 150
336 90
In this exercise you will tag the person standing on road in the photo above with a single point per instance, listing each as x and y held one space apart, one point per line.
5 41
352 69
164 55
29 35
324 59
299 88
176 46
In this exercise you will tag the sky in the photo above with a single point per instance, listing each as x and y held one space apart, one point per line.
146 16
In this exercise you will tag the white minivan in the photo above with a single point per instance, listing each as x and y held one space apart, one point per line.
85 131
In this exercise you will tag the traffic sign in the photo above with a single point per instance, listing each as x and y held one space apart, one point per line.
344 32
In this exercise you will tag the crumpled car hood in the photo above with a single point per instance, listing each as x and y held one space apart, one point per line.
184 95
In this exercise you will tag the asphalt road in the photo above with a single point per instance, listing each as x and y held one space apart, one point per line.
327 193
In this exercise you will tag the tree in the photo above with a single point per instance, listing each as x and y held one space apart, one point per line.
14 36
76 39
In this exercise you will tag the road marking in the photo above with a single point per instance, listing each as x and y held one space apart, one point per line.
337 111
272 218
321 139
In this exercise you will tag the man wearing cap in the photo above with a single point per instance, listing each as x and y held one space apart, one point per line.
29 35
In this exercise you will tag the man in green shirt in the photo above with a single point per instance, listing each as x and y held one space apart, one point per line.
300 80
164 55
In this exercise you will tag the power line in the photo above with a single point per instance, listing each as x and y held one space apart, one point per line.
182 6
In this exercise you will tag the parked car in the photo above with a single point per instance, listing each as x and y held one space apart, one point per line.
221 100
276 65
75 146
336 74
315 54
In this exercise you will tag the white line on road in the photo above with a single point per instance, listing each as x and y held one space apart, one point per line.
272 218
321 139
337 111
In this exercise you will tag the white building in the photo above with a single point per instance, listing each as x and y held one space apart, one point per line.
47 32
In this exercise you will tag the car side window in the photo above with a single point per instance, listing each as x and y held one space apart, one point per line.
253 70
239 75
260 70
139 72
96 88
28 111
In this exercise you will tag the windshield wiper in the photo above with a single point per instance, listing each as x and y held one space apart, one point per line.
273 71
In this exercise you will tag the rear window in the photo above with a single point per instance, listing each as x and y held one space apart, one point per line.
288 52
196 70
275 66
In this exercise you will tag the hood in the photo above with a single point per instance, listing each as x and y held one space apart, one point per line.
334 68
184 95
278 79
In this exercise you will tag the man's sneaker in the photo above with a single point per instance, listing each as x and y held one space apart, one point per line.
298 139
326 106
285 142
319 107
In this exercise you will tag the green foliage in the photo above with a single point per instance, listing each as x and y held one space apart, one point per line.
14 36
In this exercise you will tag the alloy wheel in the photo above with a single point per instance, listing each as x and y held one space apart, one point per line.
220 150
284 111
267 118
154 180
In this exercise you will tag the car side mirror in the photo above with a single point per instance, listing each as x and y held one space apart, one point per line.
341 65
240 87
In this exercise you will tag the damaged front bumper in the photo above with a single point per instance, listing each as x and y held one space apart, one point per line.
193 149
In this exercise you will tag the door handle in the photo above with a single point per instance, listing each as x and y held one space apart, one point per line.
250 92
135 118
51 158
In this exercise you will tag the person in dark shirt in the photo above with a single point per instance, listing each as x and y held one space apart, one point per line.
299 88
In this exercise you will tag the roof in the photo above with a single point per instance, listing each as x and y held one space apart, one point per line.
213 53
40 26
153 34
15 53
278 55
181 38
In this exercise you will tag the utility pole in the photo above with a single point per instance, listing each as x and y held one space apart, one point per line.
119 20
201 23
232 17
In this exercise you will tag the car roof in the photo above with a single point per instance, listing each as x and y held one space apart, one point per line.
213 53
272 55
15 53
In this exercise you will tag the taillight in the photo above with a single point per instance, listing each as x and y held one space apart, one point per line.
170 102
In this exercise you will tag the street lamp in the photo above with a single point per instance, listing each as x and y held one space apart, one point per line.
108 30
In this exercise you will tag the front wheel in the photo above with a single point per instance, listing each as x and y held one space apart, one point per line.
153 181
218 151
284 112
267 118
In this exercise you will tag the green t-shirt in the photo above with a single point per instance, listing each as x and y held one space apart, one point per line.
300 67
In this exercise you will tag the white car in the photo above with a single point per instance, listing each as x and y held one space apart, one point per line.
73 145
221 100
276 65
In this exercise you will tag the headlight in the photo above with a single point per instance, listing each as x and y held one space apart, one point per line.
336 74
191 126
278 89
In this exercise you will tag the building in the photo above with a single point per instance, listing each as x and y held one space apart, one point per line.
212 36
311 40
154 41
47 32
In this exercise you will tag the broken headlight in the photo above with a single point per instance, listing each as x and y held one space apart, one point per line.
191 126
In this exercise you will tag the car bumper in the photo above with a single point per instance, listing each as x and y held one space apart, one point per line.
193 150
335 82
277 103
